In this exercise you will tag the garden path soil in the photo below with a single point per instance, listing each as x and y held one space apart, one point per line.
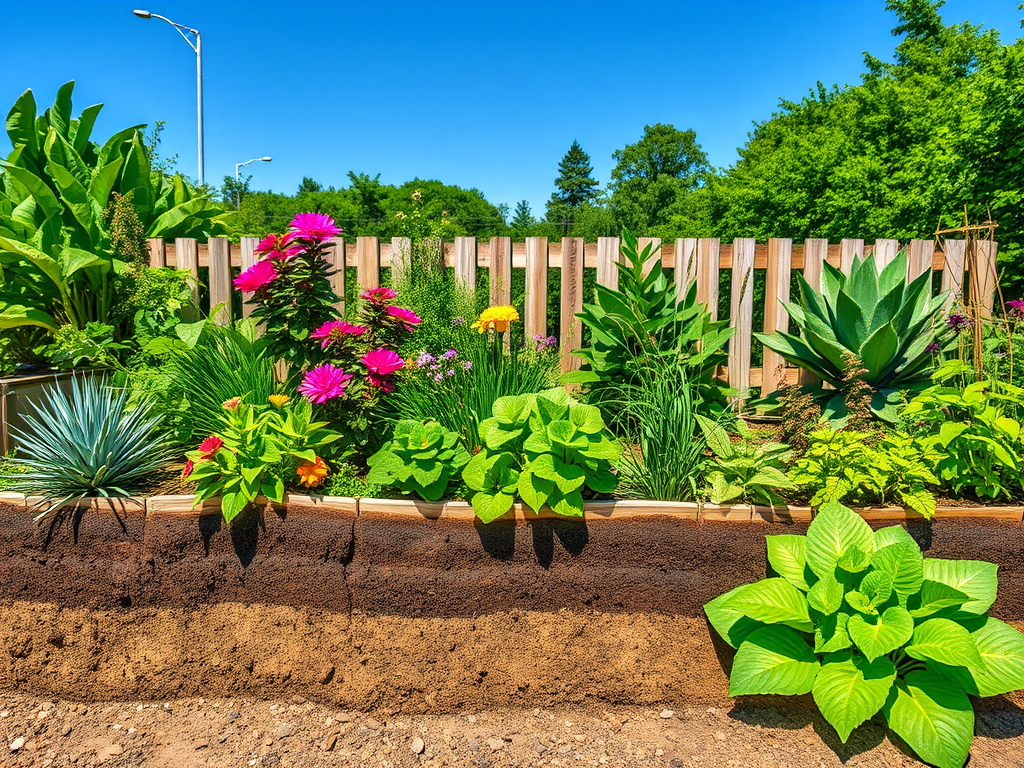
189 733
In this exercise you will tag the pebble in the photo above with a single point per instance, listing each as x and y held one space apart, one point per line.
5 713
330 742
43 714
285 730
539 748
495 744
417 746
666 714
17 744
372 724
720 736
473 745
234 715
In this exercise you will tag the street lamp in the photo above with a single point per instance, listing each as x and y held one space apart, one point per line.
198 48
238 194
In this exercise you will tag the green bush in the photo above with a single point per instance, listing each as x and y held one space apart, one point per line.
865 623
745 470
421 458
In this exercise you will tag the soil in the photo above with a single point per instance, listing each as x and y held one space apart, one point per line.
189 733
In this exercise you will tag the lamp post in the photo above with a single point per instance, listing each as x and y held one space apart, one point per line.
198 48
238 194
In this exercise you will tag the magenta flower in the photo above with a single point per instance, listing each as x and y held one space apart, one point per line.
324 383
276 247
1016 307
378 295
313 226
406 316
933 347
260 274
336 330
381 364
959 322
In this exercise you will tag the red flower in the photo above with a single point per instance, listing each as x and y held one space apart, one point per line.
210 446
189 466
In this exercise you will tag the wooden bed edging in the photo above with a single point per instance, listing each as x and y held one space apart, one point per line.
181 506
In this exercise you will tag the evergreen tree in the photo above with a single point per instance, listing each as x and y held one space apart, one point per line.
523 218
574 187
309 185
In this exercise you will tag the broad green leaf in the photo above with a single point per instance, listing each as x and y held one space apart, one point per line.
1001 648
879 635
831 634
826 596
773 660
586 418
786 557
975 578
934 597
933 716
511 409
877 587
732 626
833 532
946 642
893 534
854 560
903 563
21 122
490 506
773 601
849 689
860 602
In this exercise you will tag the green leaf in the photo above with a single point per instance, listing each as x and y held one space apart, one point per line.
826 596
903 563
877 587
879 635
861 602
834 531
933 716
773 660
1001 648
732 626
490 506
21 123
849 689
975 578
773 601
854 560
934 597
511 409
831 634
946 642
893 534
786 557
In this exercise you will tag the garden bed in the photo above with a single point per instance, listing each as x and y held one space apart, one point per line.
362 602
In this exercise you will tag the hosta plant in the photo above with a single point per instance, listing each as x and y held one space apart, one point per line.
87 443
880 319
744 470
866 624
545 448
421 458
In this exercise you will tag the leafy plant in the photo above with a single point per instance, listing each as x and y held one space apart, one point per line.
345 480
644 326
977 445
95 344
259 451
879 319
744 470
421 458
87 443
865 623
545 447
846 465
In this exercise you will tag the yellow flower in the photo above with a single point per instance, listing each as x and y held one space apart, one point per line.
497 318
231 403
312 473
278 400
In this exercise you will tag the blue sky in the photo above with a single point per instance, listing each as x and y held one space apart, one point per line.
484 94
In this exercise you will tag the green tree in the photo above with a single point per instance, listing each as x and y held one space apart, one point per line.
308 185
522 219
574 187
233 192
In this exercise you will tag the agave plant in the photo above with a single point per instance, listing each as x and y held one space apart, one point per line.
880 319
87 443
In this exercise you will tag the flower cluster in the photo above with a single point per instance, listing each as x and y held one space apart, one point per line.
496 318
438 368
544 343
1015 308
959 323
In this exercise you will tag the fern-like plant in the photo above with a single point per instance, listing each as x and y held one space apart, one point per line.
87 443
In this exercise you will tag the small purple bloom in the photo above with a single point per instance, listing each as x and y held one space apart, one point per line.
552 341
959 322
933 347
438 377
449 354
456 321
538 337
424 359
467 364
451 372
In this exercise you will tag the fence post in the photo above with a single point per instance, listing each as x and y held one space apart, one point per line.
186 258
815 252
337 258
707 274
220 279
776 316
368 262
536 301
465 261
985 282
401 258
157 252
848 249
571 330
919 259
607 257
247 246
741 315
684 265
500 271
655 243
953 272
885 252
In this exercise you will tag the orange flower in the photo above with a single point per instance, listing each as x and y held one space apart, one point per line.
278 400
232 403
312 473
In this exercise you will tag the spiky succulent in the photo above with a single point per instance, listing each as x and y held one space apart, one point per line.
87 443
882 320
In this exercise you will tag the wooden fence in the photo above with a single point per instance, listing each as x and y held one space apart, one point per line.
699 259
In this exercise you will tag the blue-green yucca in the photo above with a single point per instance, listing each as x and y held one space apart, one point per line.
87 443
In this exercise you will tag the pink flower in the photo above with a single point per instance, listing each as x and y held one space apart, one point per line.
324 383
189 466
276 247
314 226
380 364
336 330
406 316
257 276
210 446
378 295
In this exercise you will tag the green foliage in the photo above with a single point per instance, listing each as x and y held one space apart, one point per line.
848 465
877 319
977 445
87 443
865 623
345 480
94 344
574 187
545 447
745 470
421 458
9 471
643 327
259 451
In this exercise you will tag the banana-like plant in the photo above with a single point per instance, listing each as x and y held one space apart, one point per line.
57 265
881 319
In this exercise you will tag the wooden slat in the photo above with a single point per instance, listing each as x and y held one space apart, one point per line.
247 248
953 274
399 257
607 257
684 265
849 249
707 274
985 258
500 271
536 302
465 261
187 252
776 317
157 252
919 258
741 315
655 243
368 262
885 251
336 256
570 328
220 280
815 250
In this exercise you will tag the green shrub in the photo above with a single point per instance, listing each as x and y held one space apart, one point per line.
421 458
745 470
345 480
863 622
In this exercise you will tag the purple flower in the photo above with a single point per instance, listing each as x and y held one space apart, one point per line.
438 377
467 364
933 347
456 321
324 383
959 322
449 354
424 359
552 341
451 372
